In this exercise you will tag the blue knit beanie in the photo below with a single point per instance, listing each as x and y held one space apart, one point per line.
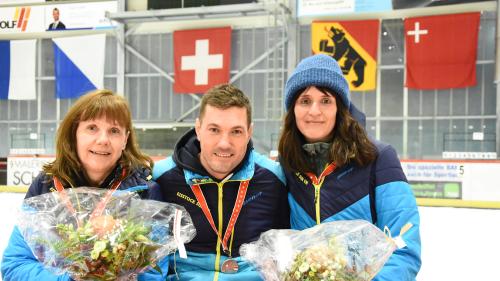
319 70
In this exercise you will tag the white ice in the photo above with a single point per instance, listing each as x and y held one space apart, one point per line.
457 244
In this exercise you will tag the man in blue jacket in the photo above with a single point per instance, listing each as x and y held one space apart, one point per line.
232 193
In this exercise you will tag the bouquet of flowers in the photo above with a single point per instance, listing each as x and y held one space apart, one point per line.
93 234
335 251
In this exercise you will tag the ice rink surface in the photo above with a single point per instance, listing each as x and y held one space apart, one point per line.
458 244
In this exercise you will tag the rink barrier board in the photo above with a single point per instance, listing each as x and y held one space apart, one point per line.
13 189
435 202
426 202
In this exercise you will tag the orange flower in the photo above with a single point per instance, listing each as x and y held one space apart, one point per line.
102 225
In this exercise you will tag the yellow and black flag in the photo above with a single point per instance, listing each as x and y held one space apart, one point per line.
354 45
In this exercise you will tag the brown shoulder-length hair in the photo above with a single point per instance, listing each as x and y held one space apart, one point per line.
94 105
350 143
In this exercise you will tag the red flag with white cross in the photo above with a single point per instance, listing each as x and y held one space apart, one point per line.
441 51
202 59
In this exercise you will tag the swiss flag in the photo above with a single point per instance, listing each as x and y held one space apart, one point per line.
441 51
201 58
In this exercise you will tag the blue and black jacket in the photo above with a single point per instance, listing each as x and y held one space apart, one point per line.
265 207
18 261
345 194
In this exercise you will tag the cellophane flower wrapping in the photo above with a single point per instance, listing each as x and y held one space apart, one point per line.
129 236
351 250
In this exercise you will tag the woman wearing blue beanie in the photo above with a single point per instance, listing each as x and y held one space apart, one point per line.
336 172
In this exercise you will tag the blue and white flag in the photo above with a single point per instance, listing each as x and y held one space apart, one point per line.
17 69
79 64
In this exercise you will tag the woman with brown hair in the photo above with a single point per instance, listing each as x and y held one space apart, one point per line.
334 171
95 147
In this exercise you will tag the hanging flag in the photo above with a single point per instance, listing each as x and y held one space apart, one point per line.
17 69
354 45
79 64
202 59
441 51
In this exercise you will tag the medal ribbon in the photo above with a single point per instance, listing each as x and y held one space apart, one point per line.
317 183
318 180
242 190
63 194
100 206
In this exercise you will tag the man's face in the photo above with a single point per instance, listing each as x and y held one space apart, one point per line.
55 15
224 135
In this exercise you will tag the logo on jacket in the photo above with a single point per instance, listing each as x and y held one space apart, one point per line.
187 198
345 172
252 198
302 178
201 181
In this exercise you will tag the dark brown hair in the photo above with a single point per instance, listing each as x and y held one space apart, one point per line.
350 143
93 105
225 96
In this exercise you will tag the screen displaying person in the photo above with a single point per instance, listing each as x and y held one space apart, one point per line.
57 24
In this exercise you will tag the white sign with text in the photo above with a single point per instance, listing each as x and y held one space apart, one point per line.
433 171
22 170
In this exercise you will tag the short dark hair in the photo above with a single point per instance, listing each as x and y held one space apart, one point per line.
225 96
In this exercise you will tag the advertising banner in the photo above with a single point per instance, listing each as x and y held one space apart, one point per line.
435 179
329 7
21 19
91 15
22 170
450 179
25 19
407 4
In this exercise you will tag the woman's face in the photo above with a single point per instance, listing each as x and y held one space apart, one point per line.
99 146
315 114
